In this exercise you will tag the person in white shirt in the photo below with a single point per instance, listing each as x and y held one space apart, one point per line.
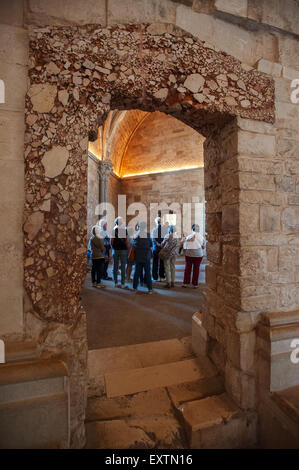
193 246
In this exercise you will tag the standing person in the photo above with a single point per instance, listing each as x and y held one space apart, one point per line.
104 234
193 245
130 263
169 247
158 234
143 250
120 245
97 256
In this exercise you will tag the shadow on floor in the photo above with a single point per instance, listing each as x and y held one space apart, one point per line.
119 317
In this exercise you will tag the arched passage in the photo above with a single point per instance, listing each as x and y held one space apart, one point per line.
77 75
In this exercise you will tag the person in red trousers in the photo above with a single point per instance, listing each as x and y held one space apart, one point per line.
193 245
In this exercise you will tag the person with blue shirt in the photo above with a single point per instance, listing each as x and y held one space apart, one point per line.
158 234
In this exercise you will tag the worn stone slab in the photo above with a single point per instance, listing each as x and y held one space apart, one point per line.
101 361
152 402
209 411
96 386
139 433
164 430
138 380
217 423
162 352
133 356
116 434
196 390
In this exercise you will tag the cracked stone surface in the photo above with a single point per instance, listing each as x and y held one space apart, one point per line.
150 432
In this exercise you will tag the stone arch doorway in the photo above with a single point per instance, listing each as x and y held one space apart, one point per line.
77 74
157 163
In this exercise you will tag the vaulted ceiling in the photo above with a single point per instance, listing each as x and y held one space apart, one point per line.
139 142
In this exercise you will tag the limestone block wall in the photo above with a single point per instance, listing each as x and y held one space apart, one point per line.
13 71
185 186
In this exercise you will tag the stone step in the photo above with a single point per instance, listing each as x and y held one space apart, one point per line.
102 361
159 401
151 402
134 356
150 432
137 380
216 422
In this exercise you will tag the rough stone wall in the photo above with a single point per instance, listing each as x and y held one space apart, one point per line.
162 143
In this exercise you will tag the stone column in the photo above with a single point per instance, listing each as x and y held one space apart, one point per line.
104 170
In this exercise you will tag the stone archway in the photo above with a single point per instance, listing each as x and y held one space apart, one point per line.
78 74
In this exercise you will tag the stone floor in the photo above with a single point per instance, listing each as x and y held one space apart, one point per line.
118 317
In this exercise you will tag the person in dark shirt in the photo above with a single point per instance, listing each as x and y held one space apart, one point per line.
104 235
98 258
143 251
158 234
120 245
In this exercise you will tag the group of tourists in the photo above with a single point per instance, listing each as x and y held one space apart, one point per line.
128 250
